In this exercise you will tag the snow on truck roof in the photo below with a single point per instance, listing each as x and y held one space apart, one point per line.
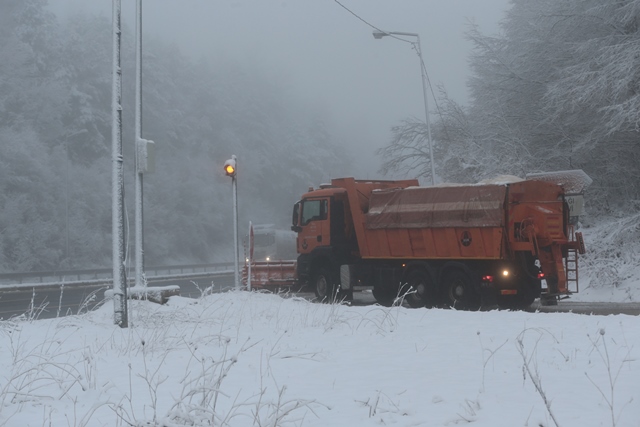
476 205
574 181
498 180
501 180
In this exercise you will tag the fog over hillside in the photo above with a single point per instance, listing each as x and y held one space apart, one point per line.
326 56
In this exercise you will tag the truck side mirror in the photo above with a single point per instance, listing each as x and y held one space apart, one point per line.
295 216
296 228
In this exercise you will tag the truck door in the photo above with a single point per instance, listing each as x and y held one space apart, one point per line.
314 222
340 240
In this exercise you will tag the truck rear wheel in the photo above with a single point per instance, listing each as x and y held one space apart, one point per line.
385 296
457 291
419 289
324 285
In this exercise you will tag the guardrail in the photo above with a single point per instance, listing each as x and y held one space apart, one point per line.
106 273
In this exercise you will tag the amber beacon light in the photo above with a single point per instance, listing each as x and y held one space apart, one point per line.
230 168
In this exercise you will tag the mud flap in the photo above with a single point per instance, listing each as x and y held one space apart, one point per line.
488 295
561 275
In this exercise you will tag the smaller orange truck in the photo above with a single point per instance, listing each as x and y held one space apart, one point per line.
452 245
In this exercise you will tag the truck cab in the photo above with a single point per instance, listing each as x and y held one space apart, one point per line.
325 237
329 222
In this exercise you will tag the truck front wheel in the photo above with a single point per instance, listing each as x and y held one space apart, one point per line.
457 291
324 285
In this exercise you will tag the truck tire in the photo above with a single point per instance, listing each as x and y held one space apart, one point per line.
384 296
419 289
458 291
324 285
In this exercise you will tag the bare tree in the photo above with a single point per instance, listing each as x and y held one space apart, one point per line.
408 150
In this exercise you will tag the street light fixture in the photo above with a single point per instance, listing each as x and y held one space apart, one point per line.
380 34
231 170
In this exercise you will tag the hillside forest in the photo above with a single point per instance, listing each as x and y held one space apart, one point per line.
55 145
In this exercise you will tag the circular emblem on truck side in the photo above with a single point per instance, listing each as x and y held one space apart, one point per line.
466 238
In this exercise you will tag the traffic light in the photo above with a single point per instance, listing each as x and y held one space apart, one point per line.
230 168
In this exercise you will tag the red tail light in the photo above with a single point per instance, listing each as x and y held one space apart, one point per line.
487 279
540 276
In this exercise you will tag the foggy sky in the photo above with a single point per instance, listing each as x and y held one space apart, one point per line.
326 56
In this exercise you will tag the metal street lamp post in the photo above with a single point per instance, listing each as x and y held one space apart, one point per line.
380 34
121 317
139 221
143 156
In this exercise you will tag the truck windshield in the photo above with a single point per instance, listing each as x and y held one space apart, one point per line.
313 210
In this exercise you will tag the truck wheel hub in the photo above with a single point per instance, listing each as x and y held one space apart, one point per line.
321 285
458 291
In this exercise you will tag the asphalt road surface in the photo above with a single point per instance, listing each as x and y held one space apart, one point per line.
564 306
43 302
46 302
592 308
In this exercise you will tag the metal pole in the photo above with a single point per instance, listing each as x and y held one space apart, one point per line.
66 196
117 208
235 231
139 238
250 256
426 110
423 72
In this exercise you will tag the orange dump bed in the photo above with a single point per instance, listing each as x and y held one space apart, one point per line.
463 222
423 207
436 222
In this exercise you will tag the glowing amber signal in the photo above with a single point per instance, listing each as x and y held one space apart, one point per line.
230 168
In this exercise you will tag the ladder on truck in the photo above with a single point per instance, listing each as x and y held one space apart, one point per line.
571 269
571 262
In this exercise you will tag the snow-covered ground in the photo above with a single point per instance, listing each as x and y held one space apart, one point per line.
252 359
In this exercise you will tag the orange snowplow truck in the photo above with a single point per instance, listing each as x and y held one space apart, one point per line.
457 245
